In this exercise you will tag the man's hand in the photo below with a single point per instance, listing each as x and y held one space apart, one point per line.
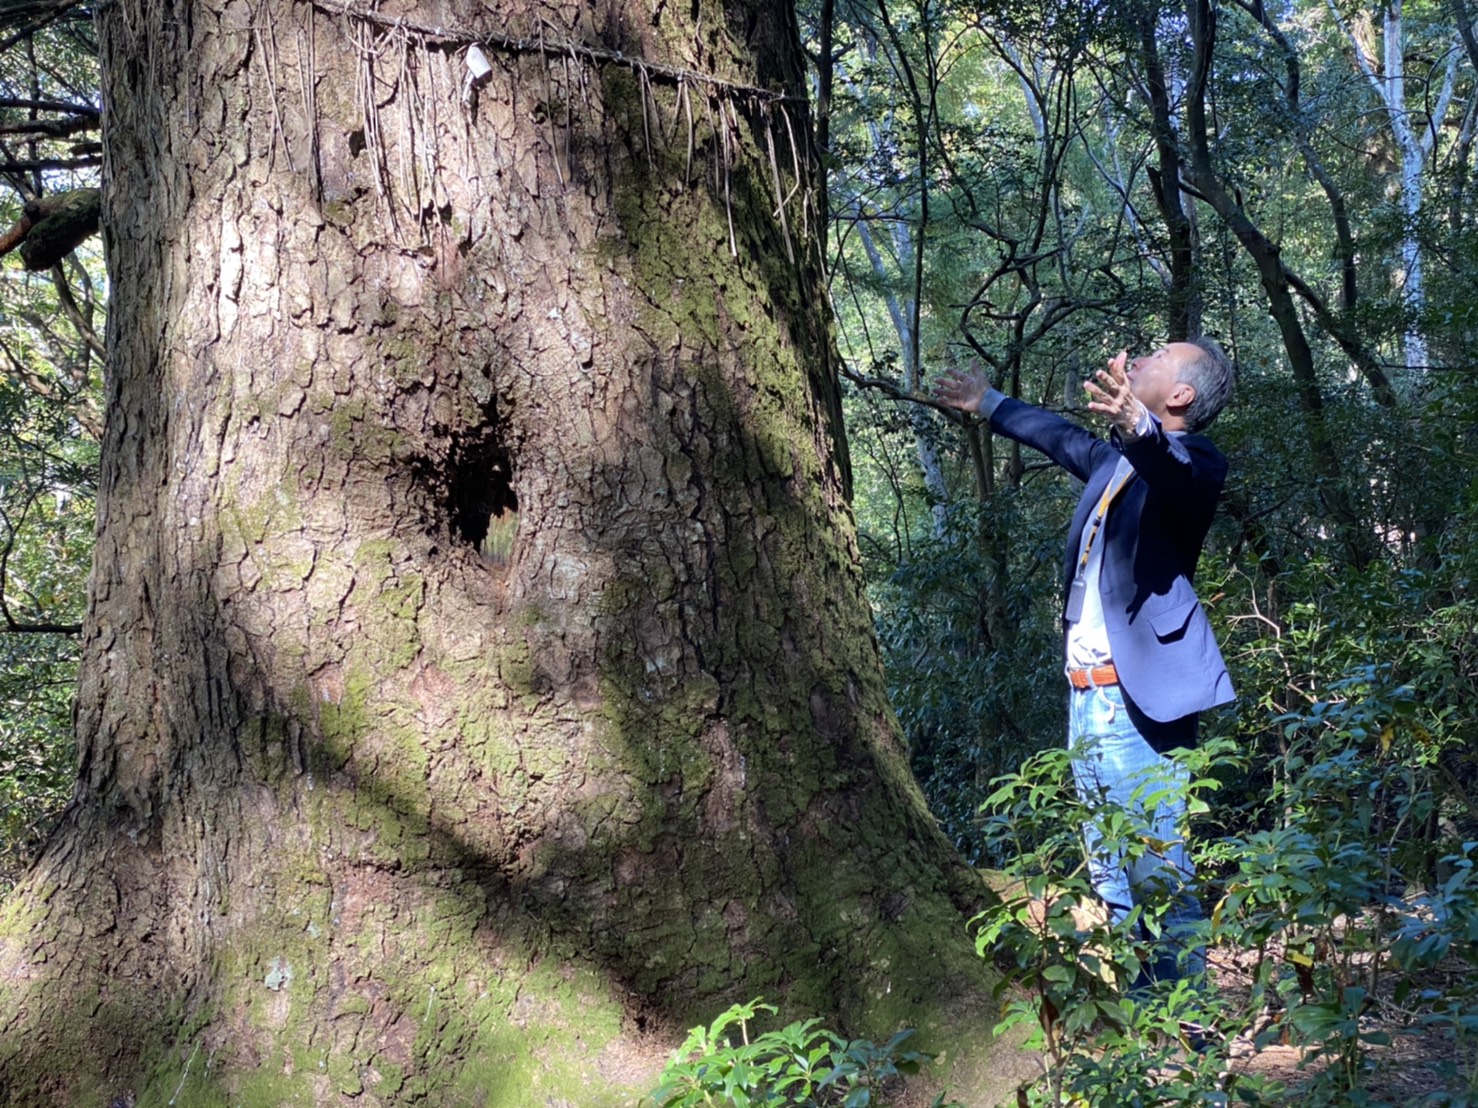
1112 397
961 389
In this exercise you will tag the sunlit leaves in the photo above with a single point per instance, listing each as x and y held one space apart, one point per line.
50 416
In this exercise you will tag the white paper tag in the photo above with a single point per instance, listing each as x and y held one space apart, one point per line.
477 62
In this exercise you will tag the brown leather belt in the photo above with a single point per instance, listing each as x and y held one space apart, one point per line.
1093 678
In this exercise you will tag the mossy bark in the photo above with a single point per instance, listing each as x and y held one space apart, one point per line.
364 816
59 224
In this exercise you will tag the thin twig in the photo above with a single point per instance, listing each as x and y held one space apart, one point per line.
682 90
779 196
646 128
74 313
559 172
795 164
569 99
308 90
723 112
267 45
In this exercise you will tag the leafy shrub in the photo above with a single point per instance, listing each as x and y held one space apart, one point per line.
1101 1043
1325 893
802 1065
37 757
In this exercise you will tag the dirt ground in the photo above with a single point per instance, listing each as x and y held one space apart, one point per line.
1417 1064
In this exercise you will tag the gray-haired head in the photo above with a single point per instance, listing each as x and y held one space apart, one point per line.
1211 375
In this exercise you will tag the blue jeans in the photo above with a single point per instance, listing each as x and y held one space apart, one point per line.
1114 762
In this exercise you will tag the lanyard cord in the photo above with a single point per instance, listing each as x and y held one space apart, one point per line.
1103 503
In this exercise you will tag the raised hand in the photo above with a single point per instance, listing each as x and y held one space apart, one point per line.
1112 396
962 389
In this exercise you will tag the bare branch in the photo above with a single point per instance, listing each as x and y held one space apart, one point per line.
74 313
46 14
62 107
43 165
49 128
11 627
11 624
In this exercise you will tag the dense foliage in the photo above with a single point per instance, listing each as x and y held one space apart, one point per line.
1034 189
802 1065
50 390
1005 194
1329 923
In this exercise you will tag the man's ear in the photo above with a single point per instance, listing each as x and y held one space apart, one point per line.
1180 396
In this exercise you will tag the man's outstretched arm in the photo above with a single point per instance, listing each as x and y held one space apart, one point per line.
1067 444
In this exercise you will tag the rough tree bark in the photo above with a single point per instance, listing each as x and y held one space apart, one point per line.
364 816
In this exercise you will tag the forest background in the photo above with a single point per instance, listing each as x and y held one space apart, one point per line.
1030 187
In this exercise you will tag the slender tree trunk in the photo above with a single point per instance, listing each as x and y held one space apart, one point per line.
1184 292
902 314
363 814
1352 526
1392 84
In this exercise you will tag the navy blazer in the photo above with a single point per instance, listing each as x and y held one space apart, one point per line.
1161 641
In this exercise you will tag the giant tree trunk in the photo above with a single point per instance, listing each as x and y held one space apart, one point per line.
375 804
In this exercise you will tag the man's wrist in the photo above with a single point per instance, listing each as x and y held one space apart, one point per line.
1141 425
989 402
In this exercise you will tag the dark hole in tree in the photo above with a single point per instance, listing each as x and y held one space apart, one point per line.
431 214
482 505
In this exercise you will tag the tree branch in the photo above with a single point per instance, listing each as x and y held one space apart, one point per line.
74 313
43 165
47 13
11 627
49 128
1265 254
62 107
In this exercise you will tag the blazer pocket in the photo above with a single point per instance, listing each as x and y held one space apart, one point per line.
1170 623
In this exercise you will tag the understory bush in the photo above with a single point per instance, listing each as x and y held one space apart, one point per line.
37 754
1347 902
1337 899
802 1065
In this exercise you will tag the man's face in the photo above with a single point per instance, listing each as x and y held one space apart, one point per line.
1154 379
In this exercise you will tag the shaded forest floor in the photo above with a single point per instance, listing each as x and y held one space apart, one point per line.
1417 1063
1404 1061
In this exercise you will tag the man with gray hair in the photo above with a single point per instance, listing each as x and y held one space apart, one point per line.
1139 654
